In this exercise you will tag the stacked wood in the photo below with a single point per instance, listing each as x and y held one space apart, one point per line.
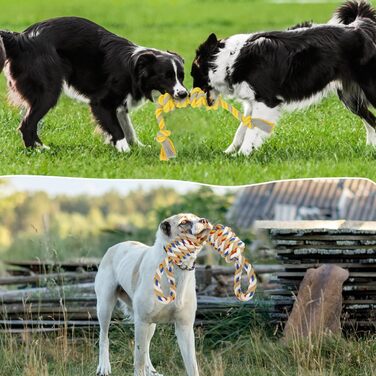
300 245
36 295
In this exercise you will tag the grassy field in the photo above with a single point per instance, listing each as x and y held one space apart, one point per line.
252 353
323 141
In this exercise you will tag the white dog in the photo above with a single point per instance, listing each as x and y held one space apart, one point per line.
127 273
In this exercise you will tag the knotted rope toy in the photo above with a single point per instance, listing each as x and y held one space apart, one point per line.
225 242
197 98
176 252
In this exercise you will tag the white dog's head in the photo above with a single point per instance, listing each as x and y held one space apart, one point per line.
182 224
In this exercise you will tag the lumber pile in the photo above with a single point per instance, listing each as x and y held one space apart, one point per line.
46 296
300 245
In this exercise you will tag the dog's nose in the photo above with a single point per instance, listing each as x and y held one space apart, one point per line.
182 94
204 221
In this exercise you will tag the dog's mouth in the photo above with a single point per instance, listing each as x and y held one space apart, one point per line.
211 96
202 233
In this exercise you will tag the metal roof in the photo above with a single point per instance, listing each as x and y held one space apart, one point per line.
350 199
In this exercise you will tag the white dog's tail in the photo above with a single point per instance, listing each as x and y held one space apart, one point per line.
352 11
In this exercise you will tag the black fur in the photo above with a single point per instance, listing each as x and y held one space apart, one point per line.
203 61
166 228
101 66
301 25
351 10
290 66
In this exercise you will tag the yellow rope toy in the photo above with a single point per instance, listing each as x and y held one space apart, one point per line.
197 98
225 242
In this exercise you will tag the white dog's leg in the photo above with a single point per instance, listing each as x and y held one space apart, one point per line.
127 127
240 133
142 334
106 300
371 134
186 341
255 137
150 368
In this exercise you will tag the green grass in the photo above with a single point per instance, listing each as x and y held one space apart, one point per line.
324 141
253 353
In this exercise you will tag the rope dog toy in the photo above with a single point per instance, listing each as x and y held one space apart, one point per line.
197 98
176 253
225 242
231 248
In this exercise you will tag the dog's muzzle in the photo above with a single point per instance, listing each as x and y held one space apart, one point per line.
200 227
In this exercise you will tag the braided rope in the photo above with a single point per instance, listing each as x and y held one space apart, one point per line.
225 242
231 248
176 252
197 98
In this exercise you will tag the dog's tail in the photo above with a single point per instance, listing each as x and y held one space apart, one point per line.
353 10
360 15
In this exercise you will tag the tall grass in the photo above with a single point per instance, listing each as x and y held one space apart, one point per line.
253 351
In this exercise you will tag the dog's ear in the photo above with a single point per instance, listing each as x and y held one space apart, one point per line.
166 228
207 48
143 60
212 40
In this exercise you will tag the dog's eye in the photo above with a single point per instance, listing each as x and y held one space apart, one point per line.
183 222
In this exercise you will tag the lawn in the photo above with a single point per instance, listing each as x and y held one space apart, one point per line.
323 141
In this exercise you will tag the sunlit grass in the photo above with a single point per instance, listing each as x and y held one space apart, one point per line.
323 141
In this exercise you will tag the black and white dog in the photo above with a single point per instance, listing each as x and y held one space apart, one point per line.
110 73
270 72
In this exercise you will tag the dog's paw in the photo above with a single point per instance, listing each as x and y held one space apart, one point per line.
40 147
371 138
139 144
122 146
255 140
232 149
246 151
104 369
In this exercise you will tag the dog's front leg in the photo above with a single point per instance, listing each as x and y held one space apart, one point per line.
255 137
127 126
150 368
240 133
142 337
186 340
371 134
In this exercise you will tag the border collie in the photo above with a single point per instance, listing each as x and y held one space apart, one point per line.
108 72
270 72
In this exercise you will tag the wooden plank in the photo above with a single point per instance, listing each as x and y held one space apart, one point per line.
58 278
44 266
302 274
346 265
340 226
324 237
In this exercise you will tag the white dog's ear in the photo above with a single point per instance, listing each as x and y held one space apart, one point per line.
166 228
